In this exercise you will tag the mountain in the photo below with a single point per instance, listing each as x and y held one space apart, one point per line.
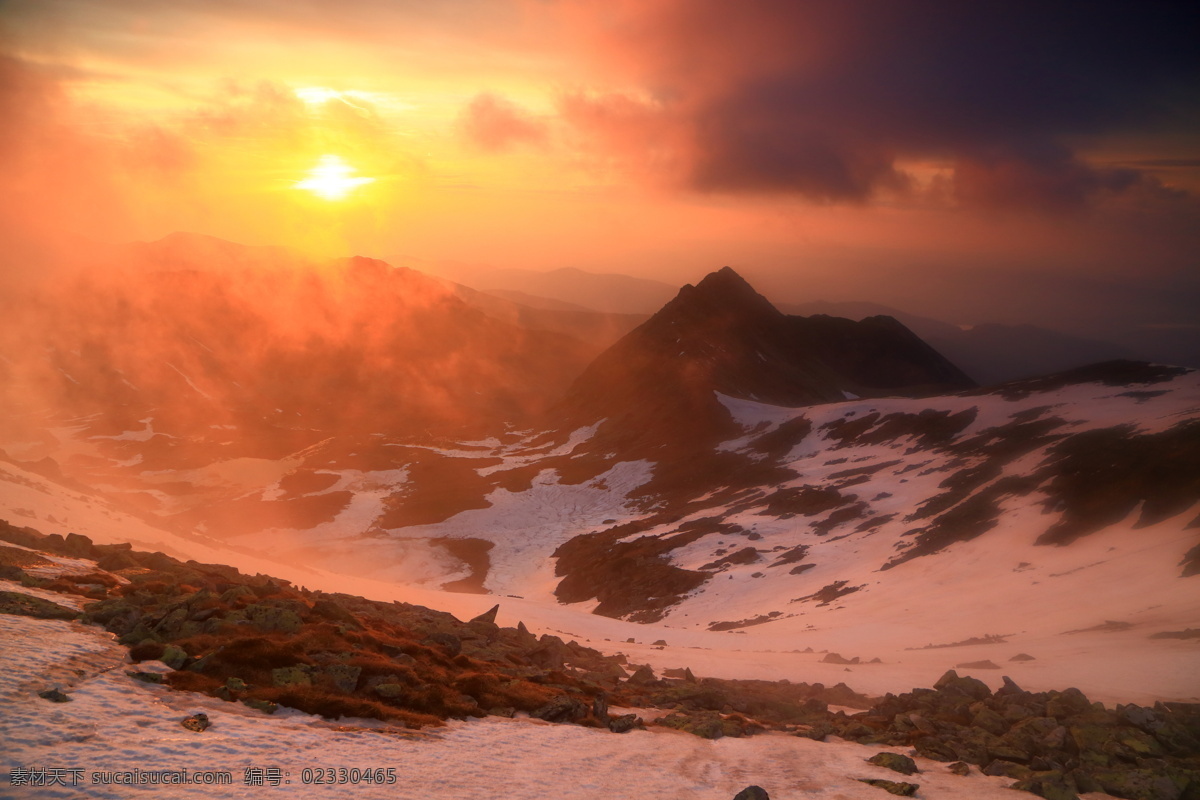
992 352
251 360
742 483
721 336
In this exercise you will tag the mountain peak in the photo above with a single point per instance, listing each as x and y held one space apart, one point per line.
723 291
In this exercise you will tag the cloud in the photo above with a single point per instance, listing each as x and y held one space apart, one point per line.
493 123
823 99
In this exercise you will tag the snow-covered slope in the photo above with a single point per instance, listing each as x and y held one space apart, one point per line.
1005 521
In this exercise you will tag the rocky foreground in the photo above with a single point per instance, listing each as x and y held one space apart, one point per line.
264 642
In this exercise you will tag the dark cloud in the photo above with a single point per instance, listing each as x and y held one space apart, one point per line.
825 98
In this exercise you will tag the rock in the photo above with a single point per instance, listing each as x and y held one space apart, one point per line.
55 695
291 676
752 793
237 593
173 656
978 665
1139 784
334 612
660 643
29 606
145 677
836 658
1022 657
449 642
600 707
960 768
625 722
1052 785
817 731
77 545
273 618
265 706
1146 719
391 690
894 761
235 684
643 675
116 560
897 788
488 616
705 724
196 722
563 708
951 683
990 721
1067 703
1009 689
1007 769
343 676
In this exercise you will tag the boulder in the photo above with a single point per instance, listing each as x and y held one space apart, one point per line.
55 695
196 722
563 708
894 761
952 684
291 676
344 677
625 722
174 657
265 706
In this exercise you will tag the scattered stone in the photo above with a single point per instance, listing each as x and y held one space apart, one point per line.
894 761
55 695
895 787
196 722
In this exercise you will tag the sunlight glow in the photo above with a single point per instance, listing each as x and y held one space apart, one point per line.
332 179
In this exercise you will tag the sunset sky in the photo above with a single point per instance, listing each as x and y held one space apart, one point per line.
1002 158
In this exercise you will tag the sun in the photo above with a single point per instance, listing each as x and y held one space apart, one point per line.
332 179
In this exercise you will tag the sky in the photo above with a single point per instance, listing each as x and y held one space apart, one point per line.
1009 160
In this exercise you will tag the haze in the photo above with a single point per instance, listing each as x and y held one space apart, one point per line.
972 163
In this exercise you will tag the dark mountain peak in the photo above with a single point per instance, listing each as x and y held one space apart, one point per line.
724 292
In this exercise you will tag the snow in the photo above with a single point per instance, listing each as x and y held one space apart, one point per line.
117 724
